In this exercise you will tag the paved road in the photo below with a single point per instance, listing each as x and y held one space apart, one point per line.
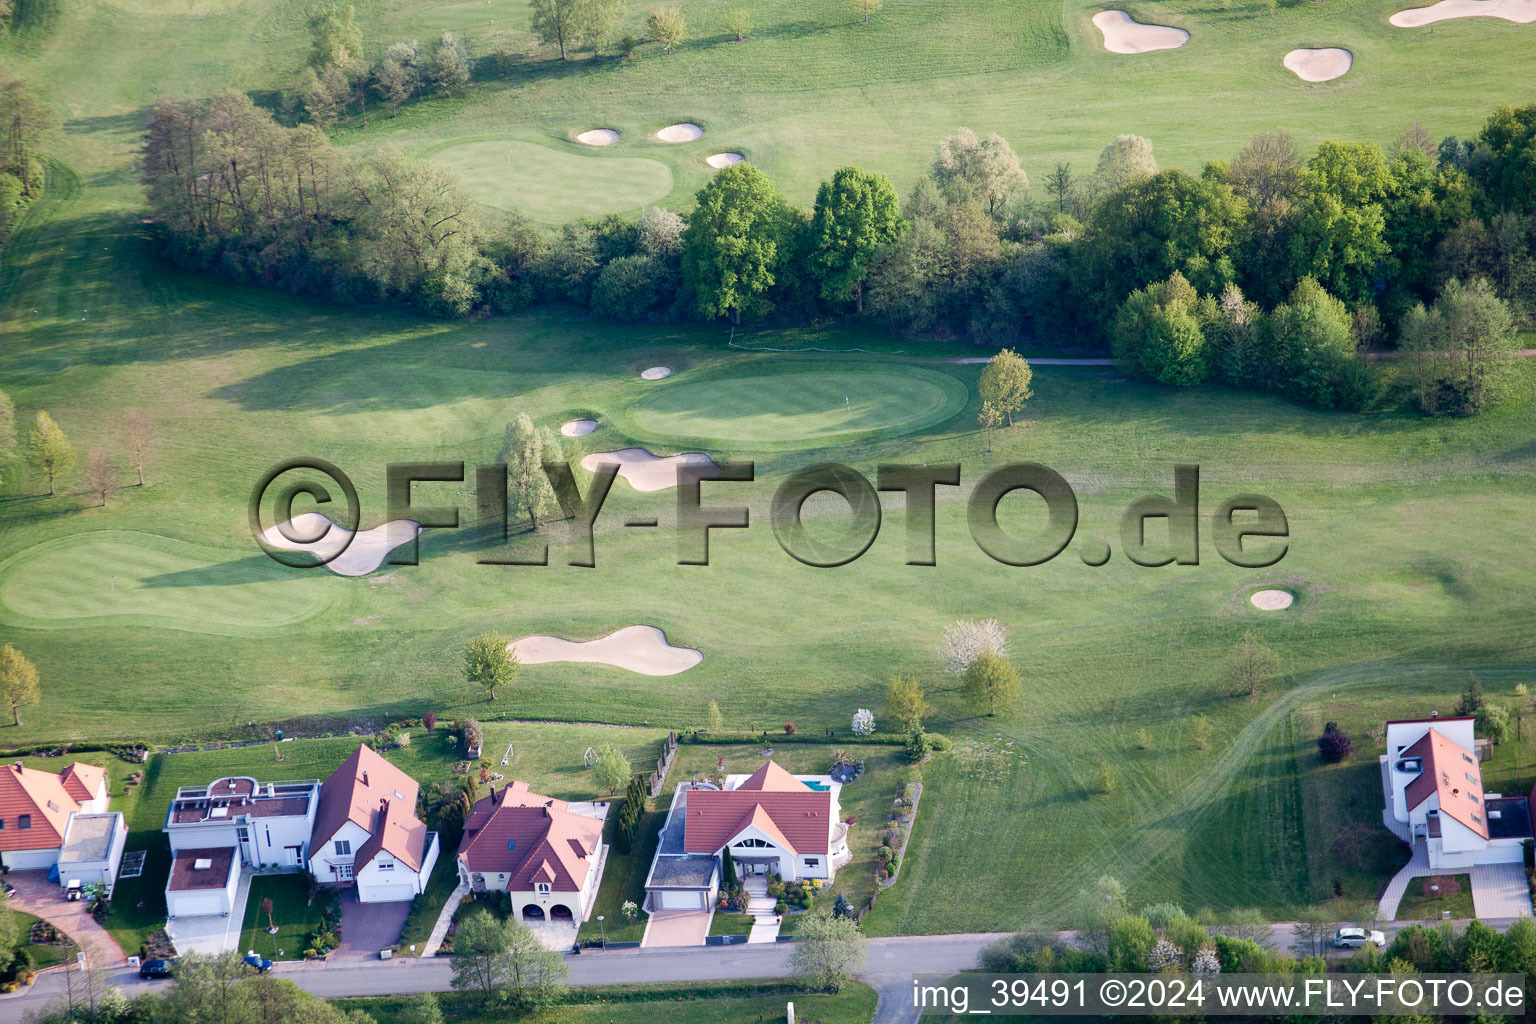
889 969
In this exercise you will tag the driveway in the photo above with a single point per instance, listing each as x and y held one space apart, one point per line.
1500 890
677 928
213 933
367 928
42 898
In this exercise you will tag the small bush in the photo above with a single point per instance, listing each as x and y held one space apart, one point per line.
940 742
1334 744
789 728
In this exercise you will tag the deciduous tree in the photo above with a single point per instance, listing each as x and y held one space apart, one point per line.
1005 382
524 452
734 243
100 474
738 22
714 721
612 768
986 171
139 437
865 8
668 26
449 67
828 951
48 450
489 662
964 641
336 39
905 702
18 681
1127 158
855 216
992 682
990 417
1251 664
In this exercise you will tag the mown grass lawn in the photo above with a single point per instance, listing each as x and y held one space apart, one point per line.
1420 904
43 956
292 912
704 1003
728 923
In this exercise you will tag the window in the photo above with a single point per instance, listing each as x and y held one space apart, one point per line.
1473 798
511 844
754 844
542 888
24 821
343 871
812 862
343 847
1470 777
2 824
1477 819
1467 759
385 865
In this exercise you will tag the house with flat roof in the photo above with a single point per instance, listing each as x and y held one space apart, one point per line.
1433 786
38 810
546 854
234 823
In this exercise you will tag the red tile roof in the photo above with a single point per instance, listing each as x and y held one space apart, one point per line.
396 831
40 795
530 838
788 811
83 781
1454 774
357 791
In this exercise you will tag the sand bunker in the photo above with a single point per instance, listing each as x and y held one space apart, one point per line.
685 132
1320 65
1522 12
363 555
642 649
720 160
598 137
1272 600
647 472
656 373
578 428
1124 34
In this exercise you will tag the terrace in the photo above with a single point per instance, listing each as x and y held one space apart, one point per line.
228 798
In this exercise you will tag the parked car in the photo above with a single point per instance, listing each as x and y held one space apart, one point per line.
157 969
1354 938
260 963
74 890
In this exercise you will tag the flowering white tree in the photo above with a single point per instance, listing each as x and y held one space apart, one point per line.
965 641
863 722
1206 961
1164 956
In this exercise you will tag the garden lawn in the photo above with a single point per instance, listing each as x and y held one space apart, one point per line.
1419 904
292 911
726 923
705 1003
43 956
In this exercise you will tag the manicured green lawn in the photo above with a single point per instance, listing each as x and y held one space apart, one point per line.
43 956
424 912
572 180
1406 531
292 912
798 409
725 923
1419 904
706 1003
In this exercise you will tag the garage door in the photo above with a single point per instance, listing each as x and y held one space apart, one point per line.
680 901
385 893
197 905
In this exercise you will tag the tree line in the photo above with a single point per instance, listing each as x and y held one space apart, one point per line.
1265 271
26 125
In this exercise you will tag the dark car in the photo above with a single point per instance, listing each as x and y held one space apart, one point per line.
260 963
156 969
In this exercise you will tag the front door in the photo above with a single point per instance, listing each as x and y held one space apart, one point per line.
291 856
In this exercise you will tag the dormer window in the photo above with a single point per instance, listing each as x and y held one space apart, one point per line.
542 888
1470 777
24 821
1410 766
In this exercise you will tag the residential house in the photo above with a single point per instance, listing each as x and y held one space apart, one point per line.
366 832
1433 785
43 815
230 824
546 854
771 821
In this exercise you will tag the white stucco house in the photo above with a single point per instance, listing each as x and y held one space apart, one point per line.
546 854
234 823
366 832
1433 785
60 821
771 821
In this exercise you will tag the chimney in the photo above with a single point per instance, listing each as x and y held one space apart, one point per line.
1434 714
365 776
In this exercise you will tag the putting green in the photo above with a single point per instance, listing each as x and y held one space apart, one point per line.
551 186
823 406
113 576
